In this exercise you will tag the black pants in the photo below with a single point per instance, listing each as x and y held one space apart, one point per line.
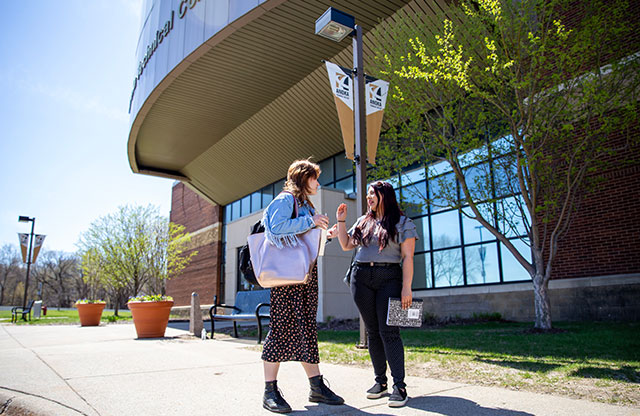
371 287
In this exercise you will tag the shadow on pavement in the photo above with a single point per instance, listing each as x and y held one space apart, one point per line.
343 410
443 405
455 406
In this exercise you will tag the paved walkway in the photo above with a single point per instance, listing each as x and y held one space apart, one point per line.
70 370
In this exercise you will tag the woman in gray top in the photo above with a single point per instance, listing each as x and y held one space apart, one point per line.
385 239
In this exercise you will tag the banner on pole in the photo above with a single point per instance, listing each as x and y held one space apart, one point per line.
342 89
24 245
37 245
376 99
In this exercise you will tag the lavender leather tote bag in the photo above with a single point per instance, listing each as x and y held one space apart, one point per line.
285 266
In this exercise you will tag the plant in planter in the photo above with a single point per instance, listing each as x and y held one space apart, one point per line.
90 311
150 314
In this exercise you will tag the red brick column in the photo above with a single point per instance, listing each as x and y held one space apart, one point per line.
204 222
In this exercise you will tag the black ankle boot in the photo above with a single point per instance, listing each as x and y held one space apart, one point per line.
273 400
320 393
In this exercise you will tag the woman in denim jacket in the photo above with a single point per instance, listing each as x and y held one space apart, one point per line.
293 334
385 239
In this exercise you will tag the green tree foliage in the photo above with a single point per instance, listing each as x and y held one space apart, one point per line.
555 81
132 252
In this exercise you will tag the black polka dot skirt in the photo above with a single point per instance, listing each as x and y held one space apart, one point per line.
293 333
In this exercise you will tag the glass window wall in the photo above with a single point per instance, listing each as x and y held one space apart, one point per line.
473 231
267 195
245 206
512 270
344 166
256 201
345 184
442 190
447 268
481 263
337 172
414 197
446 229
326 176
452 249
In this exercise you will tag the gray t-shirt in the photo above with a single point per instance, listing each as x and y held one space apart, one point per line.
391 253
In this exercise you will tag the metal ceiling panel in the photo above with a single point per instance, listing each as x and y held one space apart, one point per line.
233 116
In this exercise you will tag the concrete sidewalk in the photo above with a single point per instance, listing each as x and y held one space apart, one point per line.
70 370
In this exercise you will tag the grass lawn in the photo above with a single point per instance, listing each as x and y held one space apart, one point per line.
595 361
55 316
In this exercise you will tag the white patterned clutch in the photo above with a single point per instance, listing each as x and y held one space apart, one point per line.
411 317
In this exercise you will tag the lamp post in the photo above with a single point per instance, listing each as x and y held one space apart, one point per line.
336 25
482 250
22 218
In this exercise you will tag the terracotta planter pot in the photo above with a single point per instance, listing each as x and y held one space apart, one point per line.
90 313
150 318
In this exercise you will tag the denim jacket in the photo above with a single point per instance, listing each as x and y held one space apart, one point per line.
279 228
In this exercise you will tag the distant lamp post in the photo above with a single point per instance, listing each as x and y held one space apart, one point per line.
482 251
22 218
336 25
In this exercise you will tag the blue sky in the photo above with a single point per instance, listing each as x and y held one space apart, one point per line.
66 72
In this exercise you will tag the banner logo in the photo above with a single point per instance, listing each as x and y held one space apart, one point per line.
341 81
342 88
24 245
376 100
37 245
343 85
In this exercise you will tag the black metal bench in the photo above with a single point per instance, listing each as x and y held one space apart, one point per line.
24 311
249 306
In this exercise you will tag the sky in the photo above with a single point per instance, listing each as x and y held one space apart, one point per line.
66 73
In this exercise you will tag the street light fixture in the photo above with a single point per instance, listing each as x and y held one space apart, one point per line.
23 218
336 25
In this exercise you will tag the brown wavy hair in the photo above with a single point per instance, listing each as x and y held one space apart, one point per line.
365 231
298 175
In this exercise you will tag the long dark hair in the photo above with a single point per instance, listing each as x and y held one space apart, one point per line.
365 231
298 175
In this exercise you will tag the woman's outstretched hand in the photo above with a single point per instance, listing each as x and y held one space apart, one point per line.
341 212
332 232
321 221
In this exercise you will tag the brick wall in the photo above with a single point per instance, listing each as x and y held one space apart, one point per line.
604 235
203 220
188 209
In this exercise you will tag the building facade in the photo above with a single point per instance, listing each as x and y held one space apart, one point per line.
202 220
221 104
